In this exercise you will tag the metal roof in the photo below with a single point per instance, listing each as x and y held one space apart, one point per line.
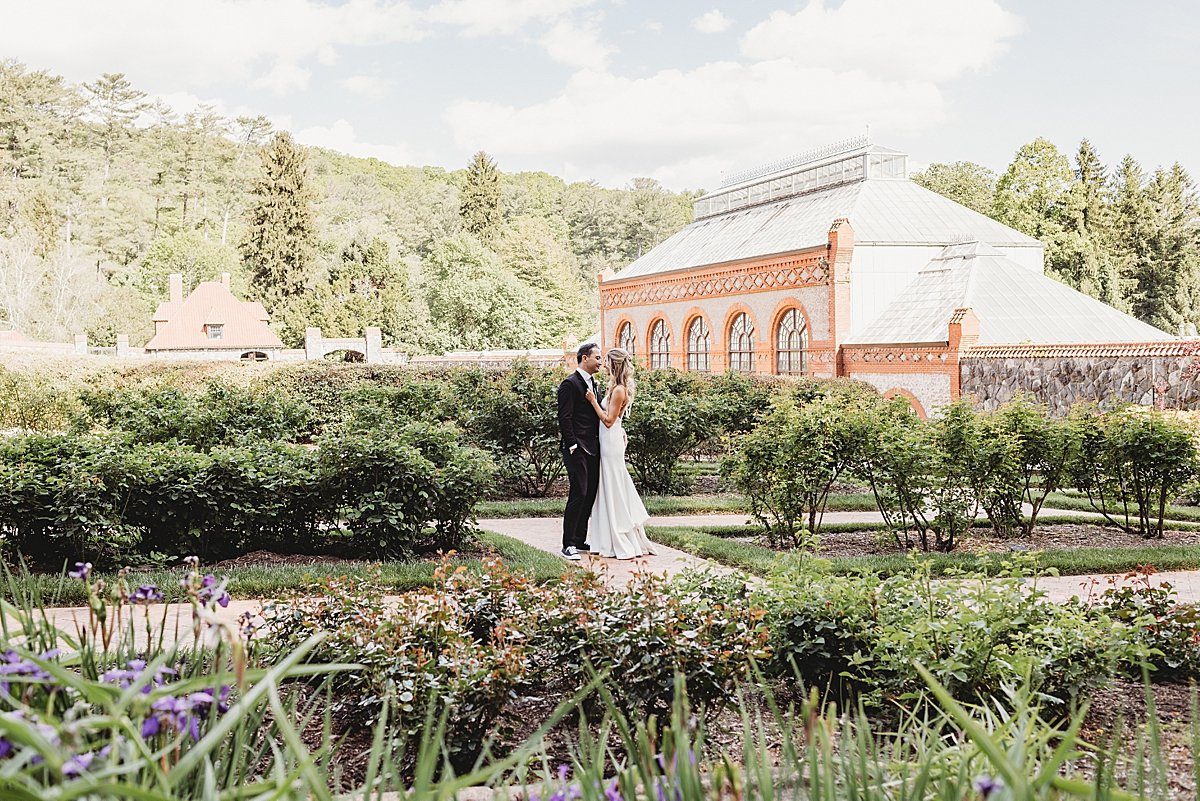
1014 306
881 211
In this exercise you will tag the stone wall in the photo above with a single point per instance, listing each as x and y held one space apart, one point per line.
1062 380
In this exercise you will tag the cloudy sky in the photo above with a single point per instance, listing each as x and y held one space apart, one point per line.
680 91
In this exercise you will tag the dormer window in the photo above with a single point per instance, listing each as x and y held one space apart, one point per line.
215 330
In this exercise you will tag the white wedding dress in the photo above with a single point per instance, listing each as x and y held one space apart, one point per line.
617 527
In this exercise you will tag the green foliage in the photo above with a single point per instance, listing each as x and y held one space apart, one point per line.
281 239
1168 631
480 207
1032 453
930 478
220 414
464 648
193 256
514 416
34 401
1131 463
473 301
863 635
389 486
111 498
787 465
670 416
965 182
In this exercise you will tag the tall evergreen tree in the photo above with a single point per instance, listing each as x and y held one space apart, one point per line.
1173 249
115 104
480 208
1133 227
279 245
1088 262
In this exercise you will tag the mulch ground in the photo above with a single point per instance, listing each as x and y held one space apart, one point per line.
1045 537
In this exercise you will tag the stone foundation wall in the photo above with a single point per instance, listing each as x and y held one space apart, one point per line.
1063 381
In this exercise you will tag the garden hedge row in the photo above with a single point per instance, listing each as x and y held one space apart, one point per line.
110 498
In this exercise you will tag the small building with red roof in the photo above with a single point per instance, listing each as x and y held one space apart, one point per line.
212 323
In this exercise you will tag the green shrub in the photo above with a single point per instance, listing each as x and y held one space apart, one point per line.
220 414
514 416
31 401
107 499
1168 631
670 416
466 646
787 465
1135 460
389 487
863 635
1029 454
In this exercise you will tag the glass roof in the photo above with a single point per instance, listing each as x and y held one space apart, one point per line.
843 162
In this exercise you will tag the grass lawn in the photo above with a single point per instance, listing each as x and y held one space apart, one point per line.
267 581
1074 500
715 543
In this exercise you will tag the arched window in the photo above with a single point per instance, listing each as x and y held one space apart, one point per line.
697 346
660 345
741 344
791 342
626 340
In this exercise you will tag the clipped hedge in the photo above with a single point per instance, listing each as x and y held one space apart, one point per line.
107 498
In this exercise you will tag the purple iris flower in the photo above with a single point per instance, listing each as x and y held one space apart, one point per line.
987 786
209 590
146 594
81 571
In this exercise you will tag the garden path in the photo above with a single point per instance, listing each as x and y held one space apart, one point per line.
546 534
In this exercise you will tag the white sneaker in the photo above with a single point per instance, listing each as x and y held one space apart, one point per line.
570 553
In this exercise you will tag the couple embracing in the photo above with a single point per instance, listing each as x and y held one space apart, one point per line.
604 515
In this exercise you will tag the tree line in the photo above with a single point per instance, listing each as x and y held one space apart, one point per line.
1126 235
104 194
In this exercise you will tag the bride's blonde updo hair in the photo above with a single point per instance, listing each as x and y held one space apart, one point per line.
620 368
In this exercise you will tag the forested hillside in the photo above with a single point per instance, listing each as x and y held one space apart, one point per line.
1127 235
103 195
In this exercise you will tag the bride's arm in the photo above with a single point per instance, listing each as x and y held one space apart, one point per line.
616 402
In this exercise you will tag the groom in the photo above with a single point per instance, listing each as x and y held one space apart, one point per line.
580 429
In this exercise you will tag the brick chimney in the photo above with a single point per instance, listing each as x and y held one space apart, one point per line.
225 280
177 287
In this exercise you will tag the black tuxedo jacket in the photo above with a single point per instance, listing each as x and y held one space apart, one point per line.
577 420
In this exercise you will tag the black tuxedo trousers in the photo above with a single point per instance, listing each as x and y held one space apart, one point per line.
580 429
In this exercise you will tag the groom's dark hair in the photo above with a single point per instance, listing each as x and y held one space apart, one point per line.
584 350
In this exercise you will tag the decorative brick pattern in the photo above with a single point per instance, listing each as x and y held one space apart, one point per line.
801 272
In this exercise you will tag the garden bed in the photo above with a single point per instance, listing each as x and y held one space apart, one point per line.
1052 536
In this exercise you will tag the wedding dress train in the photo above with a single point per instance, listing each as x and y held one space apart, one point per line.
617 527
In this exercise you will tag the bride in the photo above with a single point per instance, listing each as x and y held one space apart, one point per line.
617 527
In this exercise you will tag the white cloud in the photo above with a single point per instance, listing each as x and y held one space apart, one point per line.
370 86
198 43
686 127
576 47
929 40
488 17
341 137
805 79
283 78
712 22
